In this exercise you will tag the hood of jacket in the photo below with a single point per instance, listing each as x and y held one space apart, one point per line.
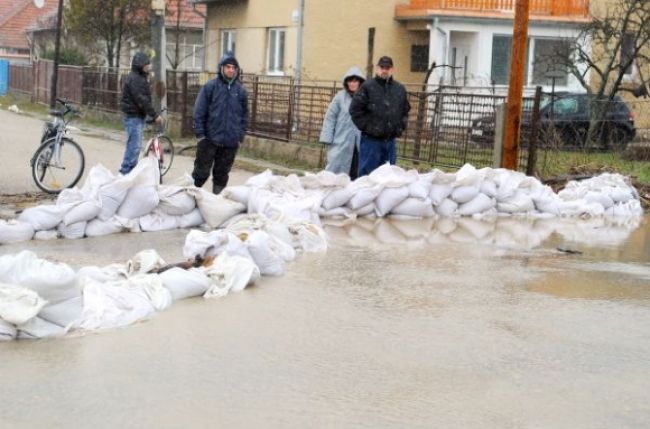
353 71
228 57
139 61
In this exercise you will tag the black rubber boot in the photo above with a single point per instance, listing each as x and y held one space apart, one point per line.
216 189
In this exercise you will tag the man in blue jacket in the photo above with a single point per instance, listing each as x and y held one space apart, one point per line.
220 122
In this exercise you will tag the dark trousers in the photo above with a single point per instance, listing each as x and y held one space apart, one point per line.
216 157
374 153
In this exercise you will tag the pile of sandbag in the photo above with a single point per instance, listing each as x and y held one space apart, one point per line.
41 299
108 204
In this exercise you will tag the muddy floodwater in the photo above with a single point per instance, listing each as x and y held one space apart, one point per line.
401 324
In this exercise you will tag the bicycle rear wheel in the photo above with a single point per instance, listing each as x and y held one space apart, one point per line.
56 168
167 156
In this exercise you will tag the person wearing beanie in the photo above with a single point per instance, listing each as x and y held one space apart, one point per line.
339 132
136 106
380 110
220 121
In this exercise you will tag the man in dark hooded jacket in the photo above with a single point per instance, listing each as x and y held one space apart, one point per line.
220 122
136 105
380 110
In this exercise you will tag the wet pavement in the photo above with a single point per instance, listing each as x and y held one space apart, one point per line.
509 324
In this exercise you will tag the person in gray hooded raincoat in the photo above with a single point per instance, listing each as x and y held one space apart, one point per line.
339 132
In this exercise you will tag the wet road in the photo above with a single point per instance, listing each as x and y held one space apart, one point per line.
400 324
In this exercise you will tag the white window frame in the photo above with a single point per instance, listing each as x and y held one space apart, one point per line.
275 61
228 40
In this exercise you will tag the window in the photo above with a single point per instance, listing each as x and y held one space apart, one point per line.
190 50
548 62
227 41
565 106
627 52
501 50
419 58
275 54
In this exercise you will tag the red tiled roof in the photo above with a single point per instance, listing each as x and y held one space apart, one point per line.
16 16
188 17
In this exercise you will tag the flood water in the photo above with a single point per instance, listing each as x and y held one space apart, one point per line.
401 324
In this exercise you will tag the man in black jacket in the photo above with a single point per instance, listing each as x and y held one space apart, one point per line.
136 105
220 120
380 110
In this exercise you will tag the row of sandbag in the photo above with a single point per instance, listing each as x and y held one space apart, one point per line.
502 232
109 204
391 190
41 299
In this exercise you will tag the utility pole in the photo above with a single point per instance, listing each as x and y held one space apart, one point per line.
158 62
57 48
516 85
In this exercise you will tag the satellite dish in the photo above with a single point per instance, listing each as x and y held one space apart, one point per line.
39 3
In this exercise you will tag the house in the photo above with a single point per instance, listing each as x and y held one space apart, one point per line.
474 36
15 17
184 23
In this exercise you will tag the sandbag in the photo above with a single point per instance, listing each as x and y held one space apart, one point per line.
84 211
216 209
337 198
420 189
464 194
415 208
73 230
37 328
111 196
18 304
447 207
389 198
364 196
191 219
439 192
43 217
139 201
98 227
230 273
8 331
266 260
479 204
175 201
237 193
64 313
14 231
367 210
158 221
185 283
144 262
51 234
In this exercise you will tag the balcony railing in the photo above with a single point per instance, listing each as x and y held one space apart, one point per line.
538 8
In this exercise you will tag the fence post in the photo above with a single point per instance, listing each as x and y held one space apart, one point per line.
290 113
534 133
184 97
499 130
253 124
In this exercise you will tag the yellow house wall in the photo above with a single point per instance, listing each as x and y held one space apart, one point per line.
335 35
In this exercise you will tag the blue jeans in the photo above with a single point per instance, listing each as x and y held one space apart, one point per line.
134 129
375 152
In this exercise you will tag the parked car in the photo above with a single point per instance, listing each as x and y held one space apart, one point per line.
564 121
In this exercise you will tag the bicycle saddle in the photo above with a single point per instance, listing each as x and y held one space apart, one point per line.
56 112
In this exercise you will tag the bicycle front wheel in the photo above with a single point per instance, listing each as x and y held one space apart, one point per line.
167 156
56 167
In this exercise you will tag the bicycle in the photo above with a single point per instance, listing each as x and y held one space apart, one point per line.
161 147
59 162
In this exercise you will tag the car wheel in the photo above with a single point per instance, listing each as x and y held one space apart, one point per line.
617 138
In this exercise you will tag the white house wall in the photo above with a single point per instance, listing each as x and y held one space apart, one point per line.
446 33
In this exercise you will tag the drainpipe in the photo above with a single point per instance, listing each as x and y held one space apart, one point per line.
205 29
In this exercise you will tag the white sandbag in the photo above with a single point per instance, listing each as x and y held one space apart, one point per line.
364 196
158 221
464 194
337 212
518 203
337 198
599 197
139 201
230 273
580 208
478 204
324 179
51 234
65 313
111 196
310 237
191 219
52 281
420 188
621 195
175 201
549 205
447 207
72 231
185 283
98 227
261 180
37 328
18 304
84 211
468 175
367 210
626 209
489 188
105 274
414 207
15 231
144 262
8 331
97 177
389 198
392 176
43 217
439 192
267 261
237 193
203 244
215 209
